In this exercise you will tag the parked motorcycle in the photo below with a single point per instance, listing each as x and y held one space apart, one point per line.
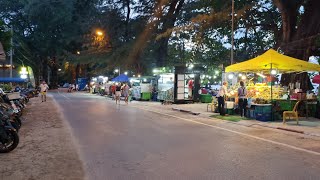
9 138
13 117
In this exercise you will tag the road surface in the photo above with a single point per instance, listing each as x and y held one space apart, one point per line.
124 142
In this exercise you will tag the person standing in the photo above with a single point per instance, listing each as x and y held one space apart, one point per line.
221 98
126 92
190 88
43 90
242 93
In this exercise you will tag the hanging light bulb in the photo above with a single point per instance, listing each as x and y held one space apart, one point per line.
273 72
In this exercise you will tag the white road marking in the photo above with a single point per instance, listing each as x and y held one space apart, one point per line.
236 132
63 95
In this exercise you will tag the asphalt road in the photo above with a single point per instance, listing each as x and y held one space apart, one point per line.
123 142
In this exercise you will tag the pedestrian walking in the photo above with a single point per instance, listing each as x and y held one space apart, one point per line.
43 90
221 98
125 90
242 94
113 91
118 93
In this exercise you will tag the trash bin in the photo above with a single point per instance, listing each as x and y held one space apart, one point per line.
146 96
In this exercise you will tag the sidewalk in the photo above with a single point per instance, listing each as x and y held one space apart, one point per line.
310 126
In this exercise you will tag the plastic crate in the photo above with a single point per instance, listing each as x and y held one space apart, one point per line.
205 98
263 117
262 109
286 105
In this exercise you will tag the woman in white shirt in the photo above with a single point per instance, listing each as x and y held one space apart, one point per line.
221 96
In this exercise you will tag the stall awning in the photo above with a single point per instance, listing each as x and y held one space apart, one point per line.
15 80
121 78
273 59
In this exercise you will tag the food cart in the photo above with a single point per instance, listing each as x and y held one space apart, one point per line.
268 96
142 87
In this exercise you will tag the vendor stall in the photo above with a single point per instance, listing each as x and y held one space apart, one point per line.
265 69
182 86
142 87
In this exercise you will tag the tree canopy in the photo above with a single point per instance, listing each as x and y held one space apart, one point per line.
138 35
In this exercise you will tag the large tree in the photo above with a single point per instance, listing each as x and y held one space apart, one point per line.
300 34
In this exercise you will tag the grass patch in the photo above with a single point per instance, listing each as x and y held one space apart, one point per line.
232 118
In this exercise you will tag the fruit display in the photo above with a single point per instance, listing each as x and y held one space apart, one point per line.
259 91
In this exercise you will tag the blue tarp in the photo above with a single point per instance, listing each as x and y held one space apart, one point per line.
16 80
121 78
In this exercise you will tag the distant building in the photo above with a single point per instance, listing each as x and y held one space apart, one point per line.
2 53
5 69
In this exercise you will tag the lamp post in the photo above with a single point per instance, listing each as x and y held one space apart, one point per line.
232 34
117 71
11 52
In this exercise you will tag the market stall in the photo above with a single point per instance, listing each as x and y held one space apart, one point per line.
142 87
260 75
181 86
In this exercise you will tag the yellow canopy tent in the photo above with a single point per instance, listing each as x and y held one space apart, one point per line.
273 60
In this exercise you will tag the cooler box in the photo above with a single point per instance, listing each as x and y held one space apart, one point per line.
205 98
229 105
262 108
146 96
263 117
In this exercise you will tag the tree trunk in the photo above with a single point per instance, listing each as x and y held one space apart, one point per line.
127 21
44 69
168 23
54 74
299 35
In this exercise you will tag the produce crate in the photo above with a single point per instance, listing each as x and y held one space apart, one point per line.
205 98
286 105
263 109
230 111
146 96
263 117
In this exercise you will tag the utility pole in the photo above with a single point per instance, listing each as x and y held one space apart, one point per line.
232 34
11 52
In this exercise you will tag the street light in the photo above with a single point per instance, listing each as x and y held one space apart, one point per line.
232 34
99 33
117 71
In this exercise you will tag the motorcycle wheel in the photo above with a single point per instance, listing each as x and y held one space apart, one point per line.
11 143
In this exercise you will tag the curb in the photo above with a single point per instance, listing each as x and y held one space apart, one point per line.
185 111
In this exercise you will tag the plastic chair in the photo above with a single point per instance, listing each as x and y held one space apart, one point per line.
293 113
213 103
